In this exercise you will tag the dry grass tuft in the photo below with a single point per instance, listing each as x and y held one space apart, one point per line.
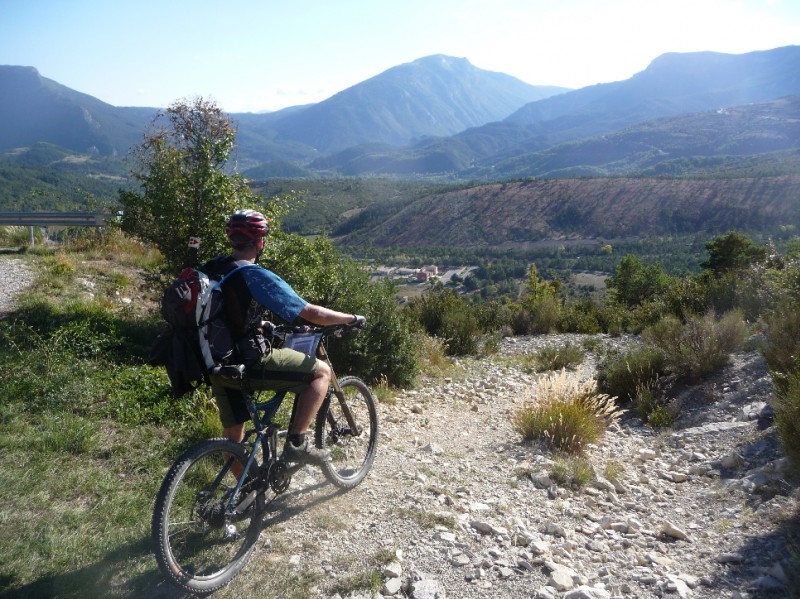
569 414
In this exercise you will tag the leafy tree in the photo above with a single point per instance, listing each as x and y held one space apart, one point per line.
184 191
732 251
315 269
634 283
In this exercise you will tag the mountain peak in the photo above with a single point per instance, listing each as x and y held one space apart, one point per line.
436 95
442 61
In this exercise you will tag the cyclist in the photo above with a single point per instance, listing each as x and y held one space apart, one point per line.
245 295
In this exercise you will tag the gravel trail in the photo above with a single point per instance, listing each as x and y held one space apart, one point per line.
15 276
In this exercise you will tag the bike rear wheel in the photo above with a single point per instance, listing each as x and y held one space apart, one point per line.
199 542
347 426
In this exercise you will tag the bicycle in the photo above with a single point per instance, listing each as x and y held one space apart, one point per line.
206 520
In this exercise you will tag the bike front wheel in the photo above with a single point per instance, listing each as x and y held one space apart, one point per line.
347 426
201 541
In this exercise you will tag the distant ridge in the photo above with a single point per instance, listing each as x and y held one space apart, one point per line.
35 109
672 85
433 96
524 212
441 117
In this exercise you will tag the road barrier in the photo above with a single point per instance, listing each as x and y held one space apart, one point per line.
54 219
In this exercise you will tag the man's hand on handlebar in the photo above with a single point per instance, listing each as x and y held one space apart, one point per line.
358 322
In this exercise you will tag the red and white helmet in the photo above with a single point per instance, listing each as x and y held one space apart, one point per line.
246 223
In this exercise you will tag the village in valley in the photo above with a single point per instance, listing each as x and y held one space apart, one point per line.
414 281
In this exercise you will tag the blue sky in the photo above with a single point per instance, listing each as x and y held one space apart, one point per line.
251 55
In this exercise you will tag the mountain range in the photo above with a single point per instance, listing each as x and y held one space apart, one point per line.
441 116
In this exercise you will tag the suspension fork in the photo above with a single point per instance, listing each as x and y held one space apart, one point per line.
336 391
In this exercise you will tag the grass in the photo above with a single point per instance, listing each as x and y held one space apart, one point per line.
572 471
568 414
384 393
369 579
87 431
74 510
427 519
613 471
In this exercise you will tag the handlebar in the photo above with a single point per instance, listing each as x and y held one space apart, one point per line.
337 330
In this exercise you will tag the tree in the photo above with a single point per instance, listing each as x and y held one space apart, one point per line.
731 252
184 191
634 283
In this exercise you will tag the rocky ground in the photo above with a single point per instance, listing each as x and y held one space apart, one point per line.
702 510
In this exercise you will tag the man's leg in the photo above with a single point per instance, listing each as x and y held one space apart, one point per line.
310 399
235 433
232 413
309 379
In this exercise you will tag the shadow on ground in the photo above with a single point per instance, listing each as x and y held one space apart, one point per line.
107 577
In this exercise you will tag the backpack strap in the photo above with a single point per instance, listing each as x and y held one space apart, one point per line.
217 284
208 287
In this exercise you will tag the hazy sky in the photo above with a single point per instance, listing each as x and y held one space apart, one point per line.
251 55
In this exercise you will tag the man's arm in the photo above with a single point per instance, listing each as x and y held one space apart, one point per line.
324 316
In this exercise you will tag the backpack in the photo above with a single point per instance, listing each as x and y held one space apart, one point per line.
197 341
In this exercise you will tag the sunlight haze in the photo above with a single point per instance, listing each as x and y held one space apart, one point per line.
250 56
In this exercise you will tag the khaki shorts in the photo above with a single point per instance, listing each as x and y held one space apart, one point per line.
279 370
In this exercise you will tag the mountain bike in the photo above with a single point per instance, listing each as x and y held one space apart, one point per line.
207 519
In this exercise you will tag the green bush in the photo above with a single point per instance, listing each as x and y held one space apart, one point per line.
700 346
443 313
634 283
623 375
537 316
19 236
568 356
387 349
650 403
492 316
787 419
317 271
782 347
581 317
572 471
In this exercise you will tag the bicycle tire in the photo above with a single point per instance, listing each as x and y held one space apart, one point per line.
193 548
351 454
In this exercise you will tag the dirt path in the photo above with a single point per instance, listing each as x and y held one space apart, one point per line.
15 276
471 512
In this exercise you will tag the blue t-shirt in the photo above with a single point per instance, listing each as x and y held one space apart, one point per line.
272 292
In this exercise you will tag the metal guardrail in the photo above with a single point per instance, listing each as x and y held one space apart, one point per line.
54 219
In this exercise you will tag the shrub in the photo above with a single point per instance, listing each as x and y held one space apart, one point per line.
19 236
782 347
567 356
703 344
635 283
787 419
387 349
443 313
537 317
492 315
580 317
568 415
460 331
431 355
651 405
623 375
